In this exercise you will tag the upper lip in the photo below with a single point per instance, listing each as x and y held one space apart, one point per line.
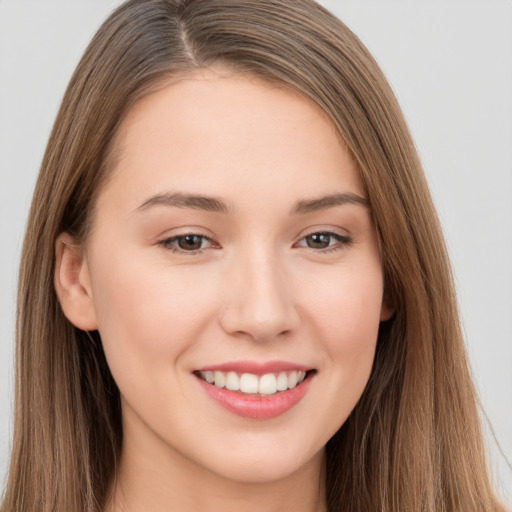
256 367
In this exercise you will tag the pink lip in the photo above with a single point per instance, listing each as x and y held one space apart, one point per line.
255 367
254 406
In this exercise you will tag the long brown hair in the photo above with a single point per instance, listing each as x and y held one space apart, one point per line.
413 442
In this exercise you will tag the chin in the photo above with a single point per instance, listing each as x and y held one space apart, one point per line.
267 466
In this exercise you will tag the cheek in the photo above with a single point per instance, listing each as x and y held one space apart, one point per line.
148 318
347 312
345 321
354 327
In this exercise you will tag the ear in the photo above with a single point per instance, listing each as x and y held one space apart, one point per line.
73 284
386 310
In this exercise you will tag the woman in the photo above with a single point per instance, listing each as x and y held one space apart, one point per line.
234 290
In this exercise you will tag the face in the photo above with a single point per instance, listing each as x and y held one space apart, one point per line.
233 272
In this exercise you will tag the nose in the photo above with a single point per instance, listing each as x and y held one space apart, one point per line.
259 301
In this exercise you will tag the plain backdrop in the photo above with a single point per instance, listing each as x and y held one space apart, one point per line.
450 64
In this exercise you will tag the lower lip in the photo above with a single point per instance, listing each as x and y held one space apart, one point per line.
254 406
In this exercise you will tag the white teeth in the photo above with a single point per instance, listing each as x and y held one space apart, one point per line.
249 383
268 384
282 381
232 381
219 379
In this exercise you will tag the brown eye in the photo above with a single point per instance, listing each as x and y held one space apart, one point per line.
325 241
319 240
190 242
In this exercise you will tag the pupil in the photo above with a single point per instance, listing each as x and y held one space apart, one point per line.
190 242
318 240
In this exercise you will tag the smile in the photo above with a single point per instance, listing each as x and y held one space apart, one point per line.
256 391
252 384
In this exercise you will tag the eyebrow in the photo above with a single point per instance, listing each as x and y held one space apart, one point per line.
181 200
322 203
214 204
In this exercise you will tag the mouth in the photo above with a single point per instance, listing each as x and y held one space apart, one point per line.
256 391
252 384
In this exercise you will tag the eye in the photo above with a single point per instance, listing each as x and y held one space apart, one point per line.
190 243
324 240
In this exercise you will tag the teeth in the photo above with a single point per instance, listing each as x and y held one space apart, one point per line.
267 384
232 381
292 379
219 379
282 381
249 383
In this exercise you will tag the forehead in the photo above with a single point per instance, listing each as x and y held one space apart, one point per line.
215 127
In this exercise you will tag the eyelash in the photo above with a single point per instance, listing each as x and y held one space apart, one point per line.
168 243
342 241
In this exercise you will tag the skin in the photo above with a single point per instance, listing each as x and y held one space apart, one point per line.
256 291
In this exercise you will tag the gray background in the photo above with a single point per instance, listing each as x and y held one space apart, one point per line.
450 63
